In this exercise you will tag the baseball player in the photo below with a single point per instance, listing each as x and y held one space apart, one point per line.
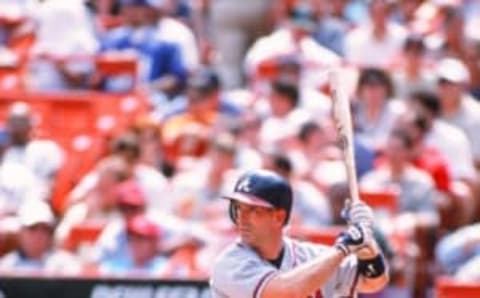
265 263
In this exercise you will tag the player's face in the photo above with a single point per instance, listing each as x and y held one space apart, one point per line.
254 223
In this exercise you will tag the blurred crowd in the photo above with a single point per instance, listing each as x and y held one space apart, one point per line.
233 85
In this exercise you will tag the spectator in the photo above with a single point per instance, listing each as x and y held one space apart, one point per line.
143 238
246 131
294 39
64 46
43 157
448 139
234 25
199 185
100 203
112 242
457 249
176 32
285 116
160 63
205 83
18 185
423 156
413 73
405 12
457 107
36 253
416 192
375 112
331 29
152 182
187 129
376 43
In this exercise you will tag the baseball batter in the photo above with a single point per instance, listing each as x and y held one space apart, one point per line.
265 263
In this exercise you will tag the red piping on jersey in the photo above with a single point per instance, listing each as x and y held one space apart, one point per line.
260 283
294 254
354 284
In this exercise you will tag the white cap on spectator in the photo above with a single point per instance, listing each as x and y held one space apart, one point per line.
35 212
453 70
19 108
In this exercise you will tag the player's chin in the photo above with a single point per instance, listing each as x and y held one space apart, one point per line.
246 236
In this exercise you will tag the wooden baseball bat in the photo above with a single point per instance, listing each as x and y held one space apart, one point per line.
343 121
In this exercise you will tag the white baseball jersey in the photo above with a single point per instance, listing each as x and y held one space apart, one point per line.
239 272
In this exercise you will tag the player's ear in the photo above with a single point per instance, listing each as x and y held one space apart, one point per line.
280 216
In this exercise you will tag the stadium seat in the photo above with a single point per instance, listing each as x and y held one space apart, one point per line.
83 233
322 235
385 200
449 288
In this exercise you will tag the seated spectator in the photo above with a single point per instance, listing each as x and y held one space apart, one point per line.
152 182
131 202
36 253
206 83
197 187
99 204
416 191
425 157
246 132
171 30
285 118
330 29
314 146
376 43
294 39
457 249
43 157
470 271
232 27
160 63
143 258
457 106
147 130
448 139
65 44
187 129
412 72
375 112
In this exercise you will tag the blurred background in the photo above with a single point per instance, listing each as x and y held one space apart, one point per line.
122 121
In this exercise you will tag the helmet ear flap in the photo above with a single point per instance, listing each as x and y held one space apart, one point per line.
232 213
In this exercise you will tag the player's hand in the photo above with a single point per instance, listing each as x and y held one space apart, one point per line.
370 250
358 236
358 212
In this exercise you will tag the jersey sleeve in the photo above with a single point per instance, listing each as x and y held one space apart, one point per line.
344 281
238 274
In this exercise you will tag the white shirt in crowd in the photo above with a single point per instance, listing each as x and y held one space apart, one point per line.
171 30
150 180
363 49
314 58
468 120
454 146
43 157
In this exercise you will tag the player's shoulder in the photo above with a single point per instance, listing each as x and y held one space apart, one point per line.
237 262
235 253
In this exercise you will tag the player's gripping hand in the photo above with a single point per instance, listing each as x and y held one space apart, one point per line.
358 212
355 238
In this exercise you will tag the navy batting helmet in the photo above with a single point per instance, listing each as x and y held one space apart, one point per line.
262 188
